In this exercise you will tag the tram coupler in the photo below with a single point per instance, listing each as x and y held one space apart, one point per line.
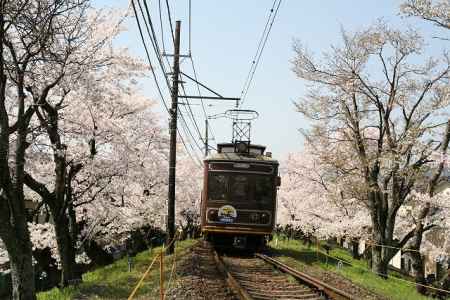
240 242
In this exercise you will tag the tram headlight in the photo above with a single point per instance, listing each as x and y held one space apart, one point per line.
265 218
212 215
242 147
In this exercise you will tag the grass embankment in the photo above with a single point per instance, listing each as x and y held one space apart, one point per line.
116 282
297 255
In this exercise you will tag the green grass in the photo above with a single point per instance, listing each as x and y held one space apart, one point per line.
115 282
297 254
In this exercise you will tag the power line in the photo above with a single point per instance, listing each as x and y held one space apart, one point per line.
152 36
195 160
190 113
200 94
190 25
161 26
194 70
148 56
261 45
170 20
156 49
188 133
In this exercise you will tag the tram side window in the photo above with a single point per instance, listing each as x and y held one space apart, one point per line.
240 188
263 188
217 186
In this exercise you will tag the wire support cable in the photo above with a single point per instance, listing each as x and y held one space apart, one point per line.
191 115
191 156
200 94
261 45
187 129
380 274
188 133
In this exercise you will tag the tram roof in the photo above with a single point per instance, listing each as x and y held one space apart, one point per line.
240 157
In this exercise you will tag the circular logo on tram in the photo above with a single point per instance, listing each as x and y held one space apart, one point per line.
227 214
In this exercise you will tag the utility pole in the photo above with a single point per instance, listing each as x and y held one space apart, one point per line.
173 141
206 138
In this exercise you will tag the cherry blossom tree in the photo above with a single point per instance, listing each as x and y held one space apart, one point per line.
311 199
436 12
89 117
188 193
30 36
56 84
388 113
131 198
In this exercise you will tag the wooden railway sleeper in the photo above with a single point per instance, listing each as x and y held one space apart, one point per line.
254 289
326 290
236 287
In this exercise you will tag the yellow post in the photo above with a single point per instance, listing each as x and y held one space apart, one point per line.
161 275
175 259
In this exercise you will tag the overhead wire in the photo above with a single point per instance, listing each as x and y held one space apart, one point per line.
155 44
261 45
170 21
196 160
195 73
189 109
190 25
152 36
161 26
258 48
190 112
188 133
200 94
148 57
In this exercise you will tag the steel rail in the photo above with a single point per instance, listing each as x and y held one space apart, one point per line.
232 282
327 289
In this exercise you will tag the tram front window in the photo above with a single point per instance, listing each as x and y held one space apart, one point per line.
240 188
217 186
263 188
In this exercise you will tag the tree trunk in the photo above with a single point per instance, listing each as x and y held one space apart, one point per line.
22 276
66 251
97 255
355 248
20 260
418 271
379 213
379 262
417 260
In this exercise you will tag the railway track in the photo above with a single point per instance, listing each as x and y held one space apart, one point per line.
262 277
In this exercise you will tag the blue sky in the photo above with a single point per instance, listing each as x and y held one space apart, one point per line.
225 36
